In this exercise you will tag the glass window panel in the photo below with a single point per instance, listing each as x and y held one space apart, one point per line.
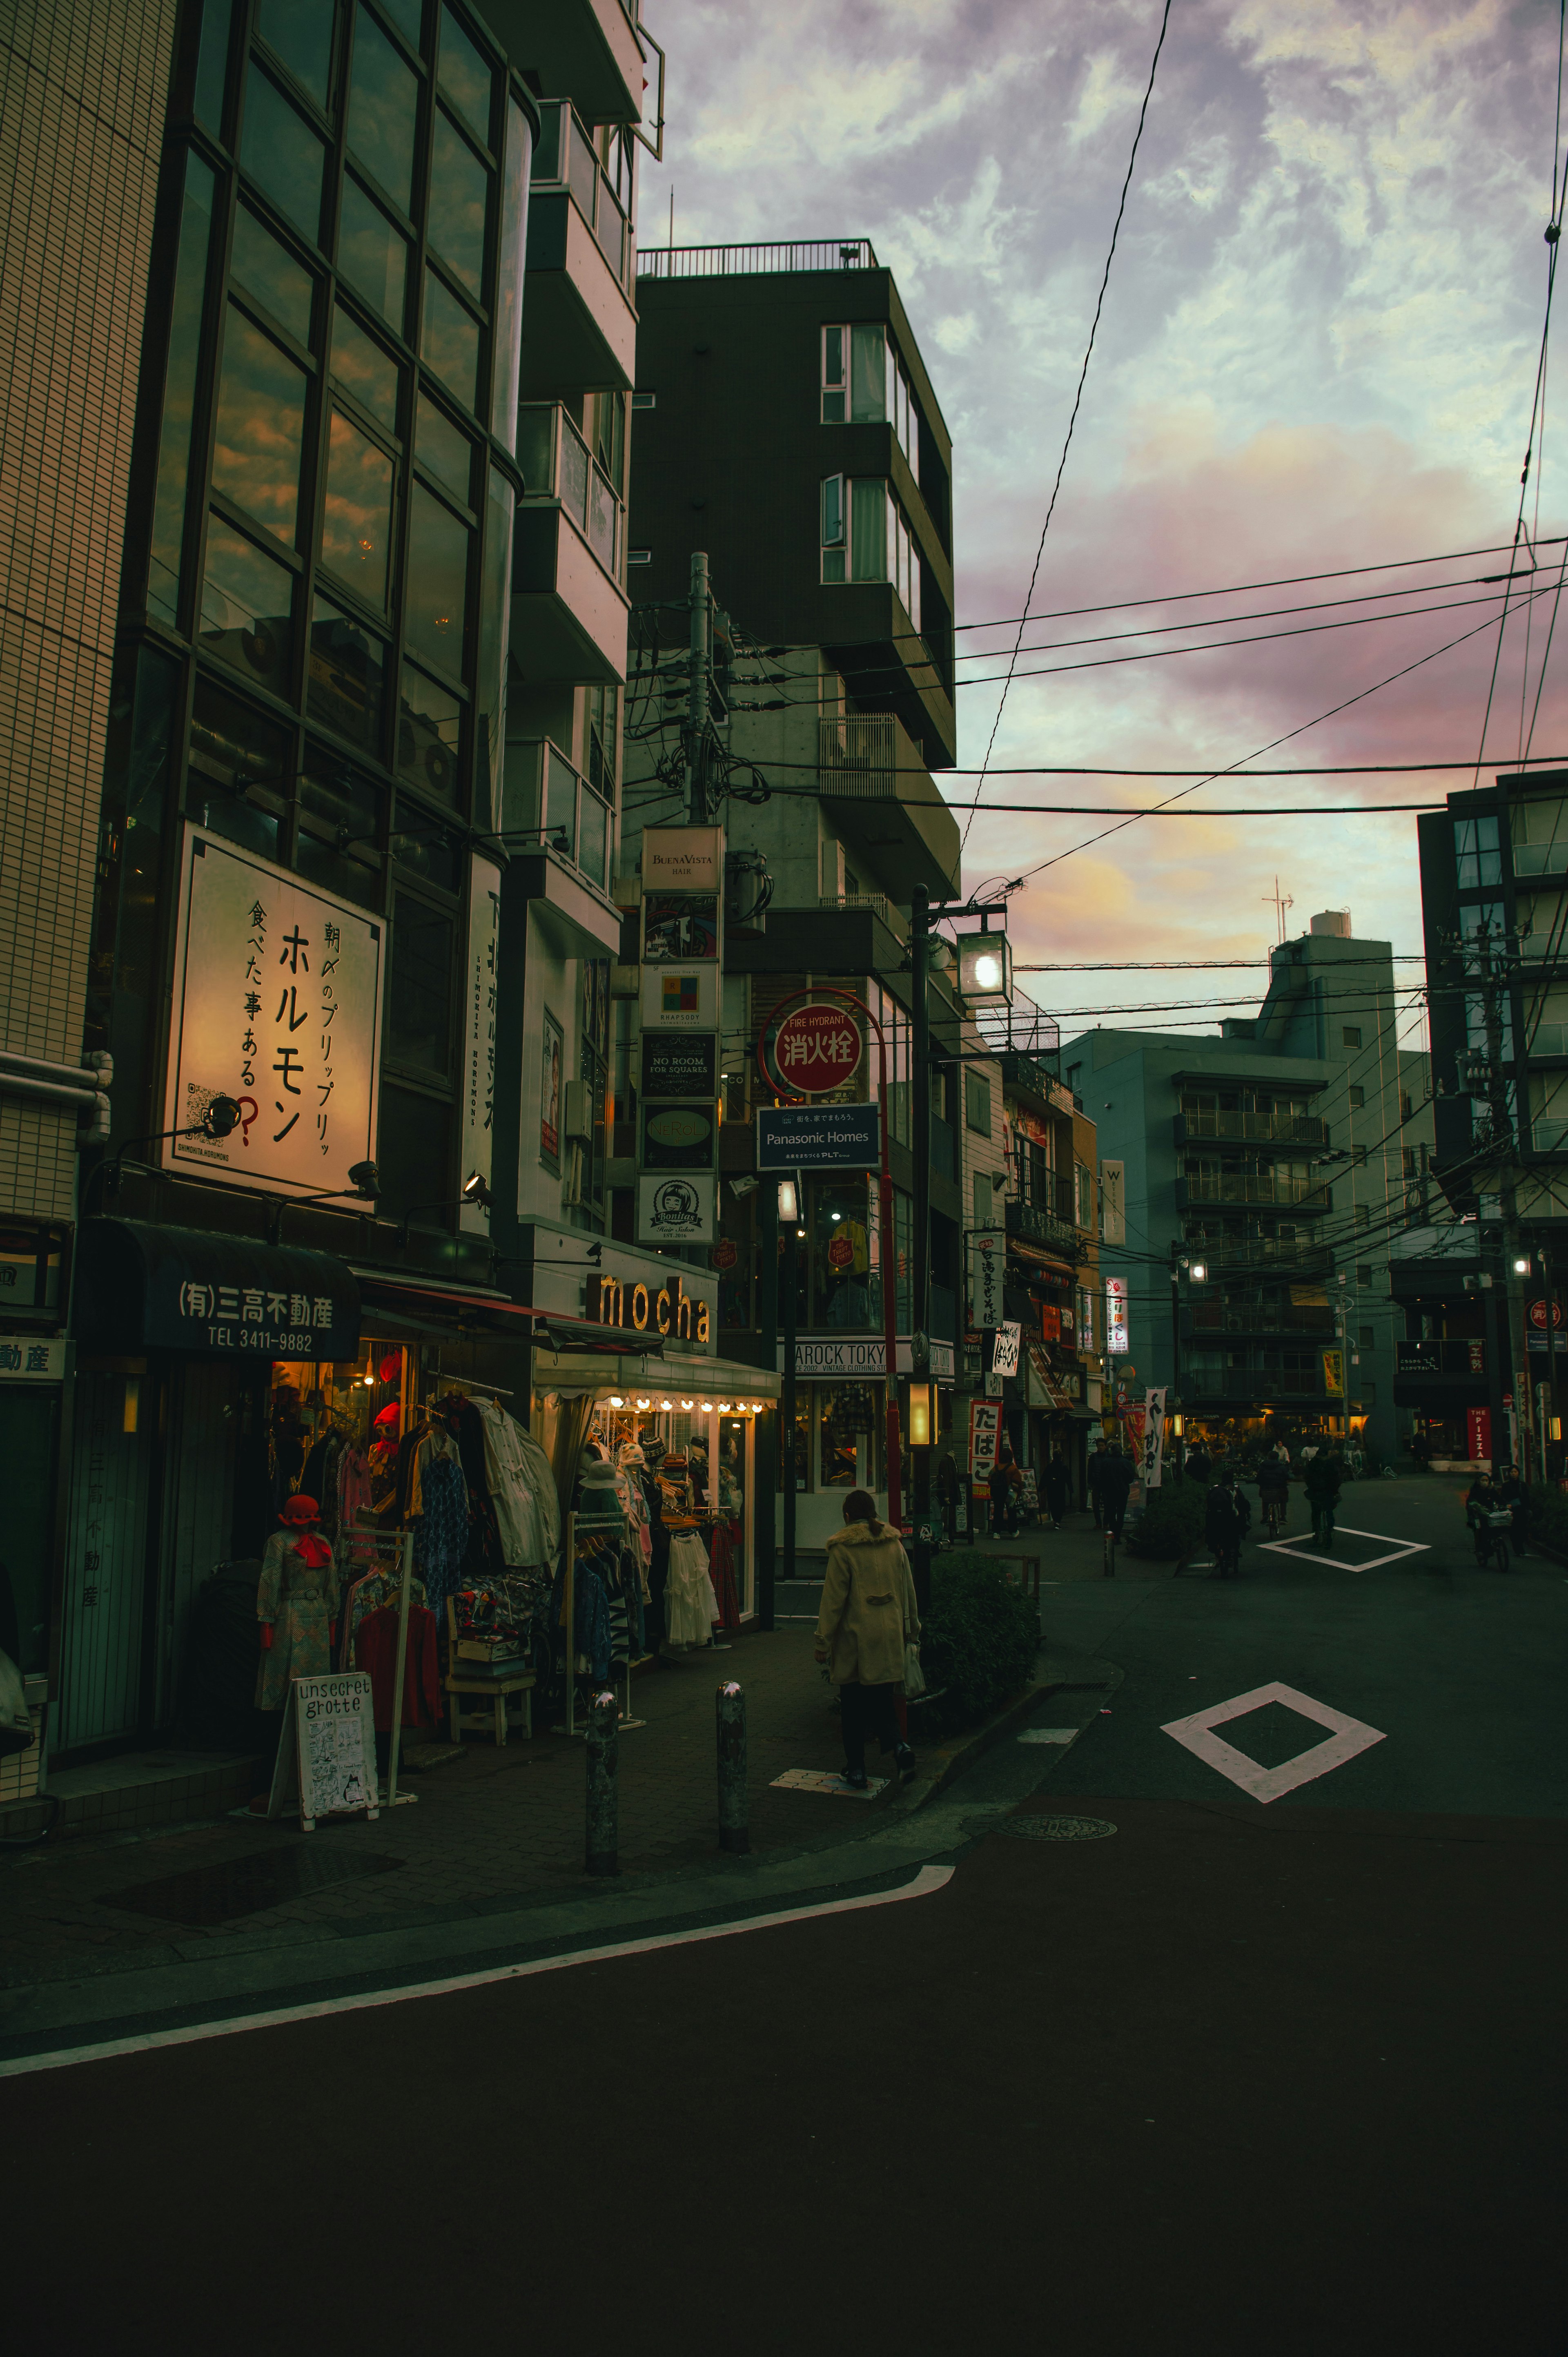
212 63
560 802
260 432
428 850
300 33
429 735
356 527
371 254
449 455
868 529
413 1152
180 392
436 604
867 375
547 159
536 447
464 76
602 521
494 601
458 210
346 683
572 488
269 272
247 602
348 873
406 16
832 511
450 342
506 376
593 850
419 994
582 167
230 745
384 100
371 375
282 154
350 801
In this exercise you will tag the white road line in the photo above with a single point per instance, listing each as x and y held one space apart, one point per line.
1346 1739
1304 1554
929 1878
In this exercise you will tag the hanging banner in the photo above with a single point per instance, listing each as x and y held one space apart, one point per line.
1478 1432
552 1082
1334 1372
987 1259
1116 1313
1113 1202
1154 1435
277 1001
1004 1353
480 1036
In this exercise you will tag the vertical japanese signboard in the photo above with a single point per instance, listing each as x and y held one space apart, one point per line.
1154 1437
987 1260
1116 1313
277 1001
479 1034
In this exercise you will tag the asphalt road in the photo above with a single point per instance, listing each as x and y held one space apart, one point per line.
1243 2074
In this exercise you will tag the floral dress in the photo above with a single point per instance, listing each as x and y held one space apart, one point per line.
297 1599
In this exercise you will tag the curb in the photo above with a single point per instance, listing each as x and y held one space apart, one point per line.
949 1762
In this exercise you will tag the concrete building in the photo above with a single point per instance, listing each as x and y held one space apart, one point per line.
1280 1158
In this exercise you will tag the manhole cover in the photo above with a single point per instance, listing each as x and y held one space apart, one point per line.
1055 1828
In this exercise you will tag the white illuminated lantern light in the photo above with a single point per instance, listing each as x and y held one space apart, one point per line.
985 969
616 1401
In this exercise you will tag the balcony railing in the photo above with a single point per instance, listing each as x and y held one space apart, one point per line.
734 260
1260 1317
1033 1224
566 158
549 801
557 465
1252 1384
1254 1187
1022 1029
1266 1129
877 902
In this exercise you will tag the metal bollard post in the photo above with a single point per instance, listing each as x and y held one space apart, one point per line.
603 1750
730 1713
1108 1551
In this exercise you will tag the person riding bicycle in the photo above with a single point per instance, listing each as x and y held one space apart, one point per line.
1225 1515
1323 1478
1480 1500
1274 1487
1512 1493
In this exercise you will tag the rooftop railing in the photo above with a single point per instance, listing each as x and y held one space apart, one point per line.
737 261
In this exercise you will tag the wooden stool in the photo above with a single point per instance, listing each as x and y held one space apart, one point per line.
1026 1574
496 1683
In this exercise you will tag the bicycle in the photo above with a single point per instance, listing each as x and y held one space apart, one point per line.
1275 1511
1492 1540
1323 1523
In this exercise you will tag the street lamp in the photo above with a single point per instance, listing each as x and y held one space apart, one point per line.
475 1189
919 1416
985 969
1198 1270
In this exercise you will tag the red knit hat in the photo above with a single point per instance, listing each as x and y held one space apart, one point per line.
300 1509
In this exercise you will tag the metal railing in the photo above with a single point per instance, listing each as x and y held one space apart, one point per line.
877 902
1252 1382
558 465
1032 1225
1292 1129
1259 1317
1262 1187
733 261
566 158
548 800
1022 1029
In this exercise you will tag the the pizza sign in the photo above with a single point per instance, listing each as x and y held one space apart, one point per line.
818 1048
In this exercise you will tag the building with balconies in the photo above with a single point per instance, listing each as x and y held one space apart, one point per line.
1265 1172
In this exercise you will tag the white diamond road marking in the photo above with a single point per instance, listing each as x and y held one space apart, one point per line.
1397 1548
1346 1737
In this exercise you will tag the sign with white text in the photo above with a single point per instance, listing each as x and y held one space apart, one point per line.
819 1137
479 1035
1116 1313
277 1001
984 1432
682 859
817 1048
1154 1437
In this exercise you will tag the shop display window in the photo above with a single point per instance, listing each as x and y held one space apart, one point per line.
368 1401
842 1288
847 1418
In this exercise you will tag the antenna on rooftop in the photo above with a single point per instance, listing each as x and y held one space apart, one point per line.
1280 901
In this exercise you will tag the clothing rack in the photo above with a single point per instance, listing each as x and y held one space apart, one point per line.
403 1541
463 1383
569 1600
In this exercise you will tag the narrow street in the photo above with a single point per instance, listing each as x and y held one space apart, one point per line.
1224 2075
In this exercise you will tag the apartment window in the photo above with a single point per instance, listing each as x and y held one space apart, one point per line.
1358 1156
1368 1341
1476 855
1351 1035
1369 1392
1406 1106
864 536
645 401
1360 1215
977 1103
1357 1094
983 1199
1363 1272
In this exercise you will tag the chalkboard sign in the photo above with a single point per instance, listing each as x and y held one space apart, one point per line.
328 1750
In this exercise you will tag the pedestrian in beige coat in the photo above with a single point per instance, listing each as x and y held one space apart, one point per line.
868 1616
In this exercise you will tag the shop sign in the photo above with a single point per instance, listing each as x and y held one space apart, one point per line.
679 927
143 1285
666 1309
1154 1435
841 1252
479 1039
1051 1322
1540 1313
553 1081
679 1136
725 1254
681 1064
22 1361
676 1209
987 1259
1113 1202
817 1048
277 1001
684 996
682 859
863 1356
984 1432
1478 1432
1116 1313
1029 1125
1334 1372
1004 1353
819 1137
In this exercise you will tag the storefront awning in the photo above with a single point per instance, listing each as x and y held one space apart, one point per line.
439 1308
1047 1263
142 1286
673 1378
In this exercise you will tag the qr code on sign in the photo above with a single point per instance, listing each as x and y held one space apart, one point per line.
196 1100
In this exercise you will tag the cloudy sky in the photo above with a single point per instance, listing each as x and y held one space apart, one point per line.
1318 351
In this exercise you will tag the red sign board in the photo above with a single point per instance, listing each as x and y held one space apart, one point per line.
817 1048
1478 1421
725 1254
841 1251
1538 1312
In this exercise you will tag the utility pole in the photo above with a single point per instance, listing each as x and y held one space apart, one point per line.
1505 1143
769 1461
920 1323
789 1276
696 729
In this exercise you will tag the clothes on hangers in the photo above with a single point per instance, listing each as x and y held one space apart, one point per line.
523 1486
440 1533
721 1565
375 1652
690 1607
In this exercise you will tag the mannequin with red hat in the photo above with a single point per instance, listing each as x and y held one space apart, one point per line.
296 1603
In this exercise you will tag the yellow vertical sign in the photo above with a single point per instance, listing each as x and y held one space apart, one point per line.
1333 1371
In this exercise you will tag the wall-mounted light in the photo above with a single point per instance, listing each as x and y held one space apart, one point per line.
919 1416
1198 1270
476 1190
789 1201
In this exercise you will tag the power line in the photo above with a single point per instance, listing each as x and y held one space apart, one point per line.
1083 377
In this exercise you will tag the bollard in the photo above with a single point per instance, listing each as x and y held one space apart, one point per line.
729 1704
603 1750
1109 1552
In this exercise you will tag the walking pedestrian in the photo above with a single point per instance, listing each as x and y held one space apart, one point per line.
1325 1474
1057 1486
1225 1515
868 1615
1097 1483
1480 1500
1273 1490
1512 1493
1005 1483
1116 1481
1200 1465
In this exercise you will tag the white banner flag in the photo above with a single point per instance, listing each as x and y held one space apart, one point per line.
1154 1437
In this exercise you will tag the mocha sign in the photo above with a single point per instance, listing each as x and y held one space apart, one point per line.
611 1301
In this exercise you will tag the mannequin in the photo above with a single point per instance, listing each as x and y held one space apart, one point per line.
296 1601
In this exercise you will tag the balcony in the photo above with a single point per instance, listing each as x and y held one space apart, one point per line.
568 608
588 47
880 905
1252 1128
884 800
1251 1186
1031 1224
743 261
560 839
1252 1385
1259 1316
579 329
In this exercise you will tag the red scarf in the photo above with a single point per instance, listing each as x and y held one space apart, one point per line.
313 1550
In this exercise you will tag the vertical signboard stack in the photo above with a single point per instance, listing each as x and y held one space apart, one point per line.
682 917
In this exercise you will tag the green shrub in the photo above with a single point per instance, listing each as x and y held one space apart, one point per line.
1550 1520
1171 1523
978 1644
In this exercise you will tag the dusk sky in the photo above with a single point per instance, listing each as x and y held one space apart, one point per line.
1319 349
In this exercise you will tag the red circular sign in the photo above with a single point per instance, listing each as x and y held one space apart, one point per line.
841 1251
1538 1313
725 1254
817 1048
